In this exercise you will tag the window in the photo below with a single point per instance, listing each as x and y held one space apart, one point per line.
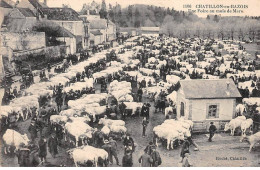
213 110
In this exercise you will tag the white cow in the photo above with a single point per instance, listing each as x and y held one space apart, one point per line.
234 123
14 138
240 109
253 139
248 123
87 153
109 122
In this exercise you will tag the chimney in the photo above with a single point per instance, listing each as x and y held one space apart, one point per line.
228 90
228 86
45 2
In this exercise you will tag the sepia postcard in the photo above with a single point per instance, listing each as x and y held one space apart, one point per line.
138 83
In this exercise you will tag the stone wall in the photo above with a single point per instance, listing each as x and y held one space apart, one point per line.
49 52
22 41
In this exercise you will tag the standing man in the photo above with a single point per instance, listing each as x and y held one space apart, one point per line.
122 108
185 149
145 160
144 124
23 155
140 94
149 148
107 147
42 149
53 145
49 67
157 160
128 143
33 130
212 130
127 160
113 150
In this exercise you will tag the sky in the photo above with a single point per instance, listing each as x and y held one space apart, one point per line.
252 10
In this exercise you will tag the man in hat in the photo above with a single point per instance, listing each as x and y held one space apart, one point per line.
157 160
113 144
140 94
145 160
53 145
212 130
108 111
144 124
15 91
107 147
34 159
42 148
122 108
127 160
185 149
33 130
128 143
150 147
23 155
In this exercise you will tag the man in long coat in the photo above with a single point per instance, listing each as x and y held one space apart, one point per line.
145 160
53 145
42 149
33 130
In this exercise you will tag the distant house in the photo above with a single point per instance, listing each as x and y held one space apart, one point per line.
96 37
205 101
99 25
106 27
22 19
129 30
150 31
111 31
68 19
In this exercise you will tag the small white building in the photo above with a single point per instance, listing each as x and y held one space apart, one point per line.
205 101
150 31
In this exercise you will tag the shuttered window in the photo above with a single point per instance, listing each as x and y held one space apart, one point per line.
212 111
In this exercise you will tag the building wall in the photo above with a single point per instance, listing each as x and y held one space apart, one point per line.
102 38
49 52
71 42
98 39
75 27
5 58
111 32
4 12
181 98
199 109
22 41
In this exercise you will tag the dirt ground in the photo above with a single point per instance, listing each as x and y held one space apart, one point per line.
223 146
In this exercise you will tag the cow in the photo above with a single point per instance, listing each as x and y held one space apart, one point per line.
14 138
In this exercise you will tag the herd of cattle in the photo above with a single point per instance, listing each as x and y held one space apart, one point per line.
161 62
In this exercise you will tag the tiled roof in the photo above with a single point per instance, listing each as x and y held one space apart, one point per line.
98 24
37 4
19 25
52 29
65 14
209 89
26 12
